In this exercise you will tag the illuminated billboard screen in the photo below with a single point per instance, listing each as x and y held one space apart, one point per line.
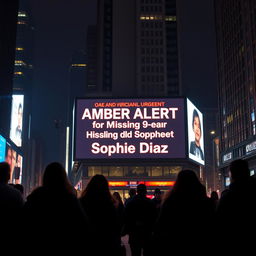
195 133
15 161
129 129
16 119
2 148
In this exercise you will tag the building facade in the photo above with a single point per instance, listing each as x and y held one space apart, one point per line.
23 84
136 55
137 48
8 26
236 45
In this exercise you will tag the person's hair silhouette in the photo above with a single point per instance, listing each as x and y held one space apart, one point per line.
239 170
186 210
188 184
55 178
102 214
97 188
5 171
142 190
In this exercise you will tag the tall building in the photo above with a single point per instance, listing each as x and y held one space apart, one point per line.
236 45
24 51
137 52
136 55
91 50
30 149
8 24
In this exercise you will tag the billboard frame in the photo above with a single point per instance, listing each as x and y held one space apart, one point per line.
108 161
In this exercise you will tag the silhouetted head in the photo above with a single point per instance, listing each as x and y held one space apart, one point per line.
188 184
117 197
97 188
5 171
132 192
157 192
214 195
20 188
239 170
141 190
55 178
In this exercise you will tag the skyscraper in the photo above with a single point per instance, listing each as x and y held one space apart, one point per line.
91 48
236 37
24 51
137 52
8 24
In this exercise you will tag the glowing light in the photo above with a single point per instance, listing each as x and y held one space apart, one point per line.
18 73
118 183
67 148
159 183
170 18
79 65
20 63
22 14
21 23
151 17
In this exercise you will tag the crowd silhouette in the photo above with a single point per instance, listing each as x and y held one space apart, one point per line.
184 220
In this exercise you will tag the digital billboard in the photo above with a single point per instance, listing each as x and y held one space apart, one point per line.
129 129
2 148
15 161
16 119
195 133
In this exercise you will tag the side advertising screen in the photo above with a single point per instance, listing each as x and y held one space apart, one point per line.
15 161
2 148
129 129
16 119
195 133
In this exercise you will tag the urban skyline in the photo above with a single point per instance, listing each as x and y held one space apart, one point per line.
53 119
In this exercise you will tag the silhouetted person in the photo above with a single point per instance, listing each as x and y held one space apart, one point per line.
11 204
132 194
20 188
237 209
99 206
157 200
120 209
140 217
119 206
54 218
215 198
185 218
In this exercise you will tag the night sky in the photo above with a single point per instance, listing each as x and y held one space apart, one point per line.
60 29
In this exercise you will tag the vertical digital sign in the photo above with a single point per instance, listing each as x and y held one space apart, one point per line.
195 133
15 161
2 148
16 119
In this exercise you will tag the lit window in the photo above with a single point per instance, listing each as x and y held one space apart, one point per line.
19 49
20 63
22 14
78 65
150 17
93 170
18 73
21 23
157 171
170 18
